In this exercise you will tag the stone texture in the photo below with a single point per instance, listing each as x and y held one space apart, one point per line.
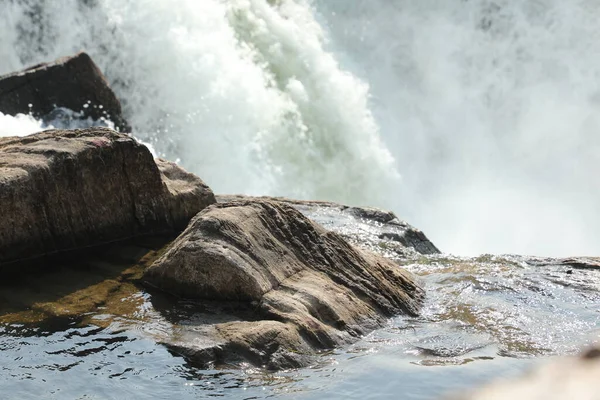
308 288
378 229
569 378
69 82
63 190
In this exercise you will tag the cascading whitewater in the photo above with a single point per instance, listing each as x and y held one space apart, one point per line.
487 108
242 92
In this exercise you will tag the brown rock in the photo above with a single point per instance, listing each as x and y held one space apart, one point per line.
62 190
73 82
321 291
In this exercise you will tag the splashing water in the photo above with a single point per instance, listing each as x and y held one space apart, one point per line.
243 93
486 108
19 125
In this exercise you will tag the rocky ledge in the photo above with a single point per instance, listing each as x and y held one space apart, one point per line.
269 281
302 288
62 190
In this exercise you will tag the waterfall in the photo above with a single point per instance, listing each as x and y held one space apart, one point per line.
474 120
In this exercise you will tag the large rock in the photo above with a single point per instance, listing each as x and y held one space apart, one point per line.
307 287
62 190
73 82
569 378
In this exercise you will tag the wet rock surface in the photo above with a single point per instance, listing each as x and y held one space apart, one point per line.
97 287
74 83
63 190
369 228
477 310
574 262
308 289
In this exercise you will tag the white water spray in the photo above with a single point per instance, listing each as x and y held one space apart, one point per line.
19 125
487 108
242 92
492 111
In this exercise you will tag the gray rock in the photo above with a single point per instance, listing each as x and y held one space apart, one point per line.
63 190
308 288
75 83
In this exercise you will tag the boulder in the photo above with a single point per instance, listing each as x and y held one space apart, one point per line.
307 288
63 190
75 83
567 378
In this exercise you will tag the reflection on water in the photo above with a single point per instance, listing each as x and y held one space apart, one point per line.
86 329
87 362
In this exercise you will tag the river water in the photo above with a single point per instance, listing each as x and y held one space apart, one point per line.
476 121
87 330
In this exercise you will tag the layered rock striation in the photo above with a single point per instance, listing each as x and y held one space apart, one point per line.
377 229
307 288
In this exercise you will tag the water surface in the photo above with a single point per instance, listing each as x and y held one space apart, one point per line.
86 329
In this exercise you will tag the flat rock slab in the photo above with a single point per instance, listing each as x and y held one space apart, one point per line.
309 289
75 83
63 190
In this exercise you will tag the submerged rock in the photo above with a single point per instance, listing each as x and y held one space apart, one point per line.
303 287
63 190
75 83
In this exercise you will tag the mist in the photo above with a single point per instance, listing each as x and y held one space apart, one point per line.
491 110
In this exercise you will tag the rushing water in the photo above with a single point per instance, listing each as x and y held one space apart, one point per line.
474 120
